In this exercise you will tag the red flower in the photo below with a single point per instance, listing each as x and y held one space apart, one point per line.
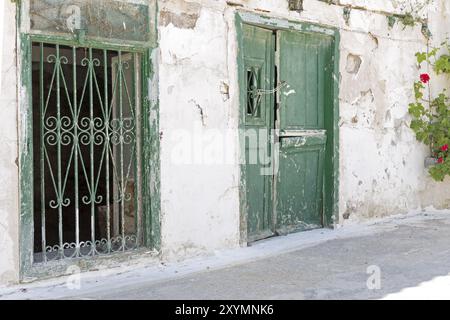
424 77
440 160
444 147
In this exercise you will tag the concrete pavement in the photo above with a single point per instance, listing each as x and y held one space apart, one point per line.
391 258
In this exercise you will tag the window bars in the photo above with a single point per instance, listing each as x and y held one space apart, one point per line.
87 151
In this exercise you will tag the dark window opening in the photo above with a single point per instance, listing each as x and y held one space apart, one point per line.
86 151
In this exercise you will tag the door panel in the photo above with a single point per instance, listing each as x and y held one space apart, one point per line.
304 60
258 68
299 184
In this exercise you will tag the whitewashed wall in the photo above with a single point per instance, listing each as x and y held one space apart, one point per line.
199 205
381 164
9 192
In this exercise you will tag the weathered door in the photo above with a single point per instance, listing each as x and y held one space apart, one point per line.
258 69
288 86
305 64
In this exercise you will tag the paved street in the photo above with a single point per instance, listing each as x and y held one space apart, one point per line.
411 255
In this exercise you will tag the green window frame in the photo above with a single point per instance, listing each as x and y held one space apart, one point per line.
149 152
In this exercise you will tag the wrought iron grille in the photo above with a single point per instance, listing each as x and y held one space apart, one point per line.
87 151
253 95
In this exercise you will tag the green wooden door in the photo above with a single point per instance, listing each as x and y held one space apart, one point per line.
305 64
293 74
258 72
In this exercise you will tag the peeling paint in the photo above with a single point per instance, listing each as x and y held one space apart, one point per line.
182 20
353 63
181 14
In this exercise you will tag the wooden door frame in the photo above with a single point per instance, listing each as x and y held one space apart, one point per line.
331 183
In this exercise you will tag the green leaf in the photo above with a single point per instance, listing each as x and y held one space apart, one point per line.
422 136
442 65
436 174
439 171
418 86
433 52
416 110
421 57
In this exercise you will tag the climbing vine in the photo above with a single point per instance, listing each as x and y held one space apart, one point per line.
411 15
431 116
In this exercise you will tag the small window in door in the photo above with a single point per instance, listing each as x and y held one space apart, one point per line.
253 94
86 151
